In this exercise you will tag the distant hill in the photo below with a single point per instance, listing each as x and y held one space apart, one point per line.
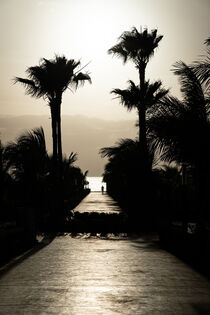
80 134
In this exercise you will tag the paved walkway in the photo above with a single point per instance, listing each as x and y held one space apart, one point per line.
91 276
86 275
98 202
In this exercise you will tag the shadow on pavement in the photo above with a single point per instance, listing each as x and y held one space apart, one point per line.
202 309
47 239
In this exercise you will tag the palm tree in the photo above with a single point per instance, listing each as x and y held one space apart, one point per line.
50 80
133 97
139 48
123 182
121 167
28 156
28 164
180 129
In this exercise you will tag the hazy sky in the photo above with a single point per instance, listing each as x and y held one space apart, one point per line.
85 30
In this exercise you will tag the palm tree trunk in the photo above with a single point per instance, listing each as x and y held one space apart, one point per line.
59 136
142 119
54 169
60 195
54 134
144 169
142 68
142 130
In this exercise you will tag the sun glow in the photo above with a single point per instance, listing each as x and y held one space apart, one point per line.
84 29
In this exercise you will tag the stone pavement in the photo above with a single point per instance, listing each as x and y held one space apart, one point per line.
98 202
86 275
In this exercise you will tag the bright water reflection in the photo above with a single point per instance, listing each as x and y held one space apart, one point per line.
95 183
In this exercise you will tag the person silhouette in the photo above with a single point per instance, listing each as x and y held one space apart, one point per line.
102 189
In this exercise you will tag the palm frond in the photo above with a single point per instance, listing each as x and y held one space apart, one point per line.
80 78
176 133
191 88
119 51
30 86
121 146
130 97
27 155
72 158
202 70
153 93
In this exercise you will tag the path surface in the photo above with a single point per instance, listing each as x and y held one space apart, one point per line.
91 276
86 275
98 202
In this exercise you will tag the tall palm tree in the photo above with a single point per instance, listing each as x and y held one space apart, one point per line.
133 96
139 48
180 129
50 80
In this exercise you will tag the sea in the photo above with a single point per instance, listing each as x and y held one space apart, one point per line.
95 183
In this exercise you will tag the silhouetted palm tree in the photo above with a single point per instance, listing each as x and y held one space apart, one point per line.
139 48
180 130
123 183
28 156
49 80
179 127
121 167
28 161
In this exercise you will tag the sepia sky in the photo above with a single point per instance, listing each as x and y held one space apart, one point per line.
85 30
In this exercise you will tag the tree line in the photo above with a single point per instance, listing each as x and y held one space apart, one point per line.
170 131
164 173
